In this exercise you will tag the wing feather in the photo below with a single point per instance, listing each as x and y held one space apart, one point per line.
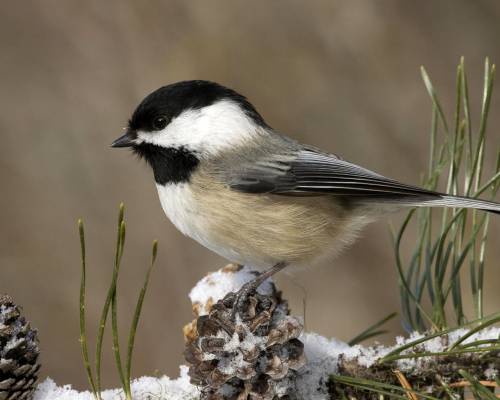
310 172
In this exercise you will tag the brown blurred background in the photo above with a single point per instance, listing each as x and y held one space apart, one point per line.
342 75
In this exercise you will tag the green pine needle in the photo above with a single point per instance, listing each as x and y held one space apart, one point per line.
372 331
107 303
137 314
114 310
479 391
83 334
433 272
385 389
111 301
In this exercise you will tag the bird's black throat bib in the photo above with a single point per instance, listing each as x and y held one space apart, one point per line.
170 165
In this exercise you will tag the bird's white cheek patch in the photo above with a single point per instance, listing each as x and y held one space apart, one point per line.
206 131
160 138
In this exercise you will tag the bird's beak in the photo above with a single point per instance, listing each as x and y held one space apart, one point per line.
127 140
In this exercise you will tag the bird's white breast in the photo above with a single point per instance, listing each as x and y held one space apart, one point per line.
183 210
180 207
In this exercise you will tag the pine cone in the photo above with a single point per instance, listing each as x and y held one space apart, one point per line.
251 356
18 353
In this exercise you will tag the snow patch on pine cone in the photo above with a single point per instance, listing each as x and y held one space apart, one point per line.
213 287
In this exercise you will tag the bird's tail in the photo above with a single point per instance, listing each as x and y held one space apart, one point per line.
466 202
439 200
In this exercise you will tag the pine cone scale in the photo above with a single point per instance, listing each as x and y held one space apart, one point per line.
7 383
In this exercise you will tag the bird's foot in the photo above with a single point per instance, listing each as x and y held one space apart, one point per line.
249 288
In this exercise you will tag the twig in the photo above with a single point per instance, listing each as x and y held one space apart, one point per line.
405 384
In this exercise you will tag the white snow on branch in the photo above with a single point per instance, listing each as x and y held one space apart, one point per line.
323 356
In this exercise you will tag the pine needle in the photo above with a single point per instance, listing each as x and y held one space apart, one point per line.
83 334
372 331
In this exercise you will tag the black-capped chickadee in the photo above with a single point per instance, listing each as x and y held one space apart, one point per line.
229 181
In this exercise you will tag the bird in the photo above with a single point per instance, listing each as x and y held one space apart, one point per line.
255 196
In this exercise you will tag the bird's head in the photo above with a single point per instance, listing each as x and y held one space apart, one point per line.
199 117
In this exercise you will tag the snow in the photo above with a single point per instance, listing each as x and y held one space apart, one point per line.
322 354
491 373
322 360
216 285
145 388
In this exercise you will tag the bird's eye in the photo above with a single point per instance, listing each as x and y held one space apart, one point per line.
159 123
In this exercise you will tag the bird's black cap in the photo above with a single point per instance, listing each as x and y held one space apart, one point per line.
171 100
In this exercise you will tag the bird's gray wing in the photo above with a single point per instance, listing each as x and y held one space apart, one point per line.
311 172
